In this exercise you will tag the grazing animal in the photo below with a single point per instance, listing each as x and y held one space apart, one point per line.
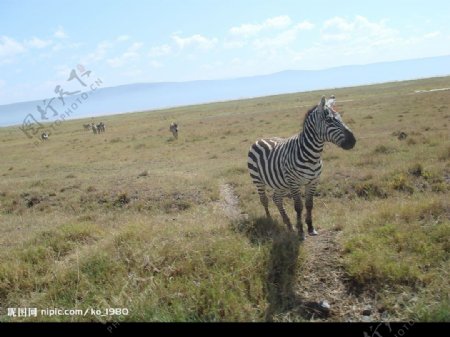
87 127
94 128
174 129
285 165
44 136
101 127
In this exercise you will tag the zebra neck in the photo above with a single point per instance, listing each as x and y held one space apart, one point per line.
310 146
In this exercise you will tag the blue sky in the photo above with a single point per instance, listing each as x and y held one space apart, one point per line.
173 40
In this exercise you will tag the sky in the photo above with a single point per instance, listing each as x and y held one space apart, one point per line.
135 41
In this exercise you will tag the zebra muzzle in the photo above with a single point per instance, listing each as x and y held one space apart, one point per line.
349 141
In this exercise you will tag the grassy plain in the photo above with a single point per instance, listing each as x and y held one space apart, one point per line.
134 219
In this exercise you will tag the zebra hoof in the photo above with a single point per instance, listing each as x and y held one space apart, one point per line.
313 233
301 236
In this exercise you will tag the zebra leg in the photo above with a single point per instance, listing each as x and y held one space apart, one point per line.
298 209
278 200
310 189
264 199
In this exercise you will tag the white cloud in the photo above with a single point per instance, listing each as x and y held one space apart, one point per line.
62 71
246 30
249 29
60 33
196 40
354 40
122 38
155 64
212 66
420 39
38 43
131 54
162 50
233 44
335 37
338 23
99 53
349 40
236 61
135 46
274 42
305 25
9 48
133 73
117 61
278 22
276 32
61 46
359 31
105 48
432 35
283 39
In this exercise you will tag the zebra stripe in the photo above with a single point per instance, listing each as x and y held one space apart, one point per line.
174 129
285 165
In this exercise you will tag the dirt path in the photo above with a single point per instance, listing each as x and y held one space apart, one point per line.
229 203
313 287
323 279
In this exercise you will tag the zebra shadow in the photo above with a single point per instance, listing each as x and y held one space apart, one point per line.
258 230
282 268
281 280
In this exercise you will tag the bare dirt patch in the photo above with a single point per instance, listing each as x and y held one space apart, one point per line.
229 203
322 280
306 280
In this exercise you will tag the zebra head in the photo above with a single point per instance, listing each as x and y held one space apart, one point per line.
331 127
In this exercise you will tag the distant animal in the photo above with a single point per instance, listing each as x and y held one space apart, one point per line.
331 102
402 135
101 127
285 165
87 126
44 136
94 128
174 129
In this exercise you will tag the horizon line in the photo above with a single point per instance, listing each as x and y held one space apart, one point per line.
252 76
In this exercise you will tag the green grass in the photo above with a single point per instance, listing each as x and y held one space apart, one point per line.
132 218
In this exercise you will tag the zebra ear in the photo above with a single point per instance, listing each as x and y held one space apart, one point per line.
322 103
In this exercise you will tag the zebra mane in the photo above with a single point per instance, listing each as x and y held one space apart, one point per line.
308 113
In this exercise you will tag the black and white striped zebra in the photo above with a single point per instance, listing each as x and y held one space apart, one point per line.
285 165
100 127
174 129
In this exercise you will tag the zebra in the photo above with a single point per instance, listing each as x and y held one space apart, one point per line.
174 129
44 136
94 128
87 127
101 127
285 165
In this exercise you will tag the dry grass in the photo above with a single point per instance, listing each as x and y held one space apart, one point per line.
133 219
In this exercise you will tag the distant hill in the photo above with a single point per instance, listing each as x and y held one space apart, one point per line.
148 96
